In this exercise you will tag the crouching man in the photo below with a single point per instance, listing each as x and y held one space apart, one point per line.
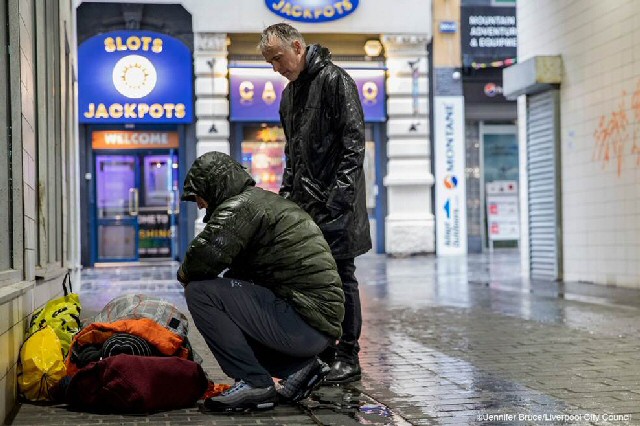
280 301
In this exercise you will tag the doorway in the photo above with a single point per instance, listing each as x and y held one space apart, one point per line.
136 205
260 148
499 185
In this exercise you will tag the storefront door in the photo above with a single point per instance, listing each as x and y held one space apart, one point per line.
261 149
136 205
258 139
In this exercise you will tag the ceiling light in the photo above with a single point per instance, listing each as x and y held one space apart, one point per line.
373 48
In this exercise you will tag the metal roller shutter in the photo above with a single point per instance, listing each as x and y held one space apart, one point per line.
543 170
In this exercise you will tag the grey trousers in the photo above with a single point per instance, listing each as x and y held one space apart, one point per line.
253 334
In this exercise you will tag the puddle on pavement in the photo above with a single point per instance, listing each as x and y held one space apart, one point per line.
347 402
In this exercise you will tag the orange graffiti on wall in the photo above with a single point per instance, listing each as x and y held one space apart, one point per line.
615 131
635 107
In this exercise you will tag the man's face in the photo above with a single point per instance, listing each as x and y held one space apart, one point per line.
286 60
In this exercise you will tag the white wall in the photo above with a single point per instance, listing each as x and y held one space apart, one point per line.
598 41
400 16
251 16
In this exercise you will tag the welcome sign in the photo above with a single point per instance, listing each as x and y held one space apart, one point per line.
134 77
312 11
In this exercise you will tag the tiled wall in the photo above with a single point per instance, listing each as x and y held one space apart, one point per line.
600 130
16 304
13 311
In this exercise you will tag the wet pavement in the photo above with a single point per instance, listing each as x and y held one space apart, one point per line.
459 341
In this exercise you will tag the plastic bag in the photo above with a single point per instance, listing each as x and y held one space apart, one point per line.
61 314
41 365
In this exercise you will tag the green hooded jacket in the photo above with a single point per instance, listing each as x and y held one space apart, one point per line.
262 238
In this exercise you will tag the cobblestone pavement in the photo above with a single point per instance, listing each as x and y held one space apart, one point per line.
445 341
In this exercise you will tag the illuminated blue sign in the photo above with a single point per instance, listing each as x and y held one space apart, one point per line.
255 93
448 27
134 77
312 11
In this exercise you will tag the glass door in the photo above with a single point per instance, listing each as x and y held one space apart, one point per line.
500 181
159 206
117 207
136 206
261 149
263 155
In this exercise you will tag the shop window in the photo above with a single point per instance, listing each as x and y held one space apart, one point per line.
11 147
369 166
49 193
263 155
5 148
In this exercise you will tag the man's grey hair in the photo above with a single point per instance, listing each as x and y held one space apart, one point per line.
283 32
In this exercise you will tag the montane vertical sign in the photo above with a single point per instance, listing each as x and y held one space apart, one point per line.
451 232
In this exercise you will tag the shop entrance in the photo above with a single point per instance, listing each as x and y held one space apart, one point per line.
257 139
136 204
260 146
500 182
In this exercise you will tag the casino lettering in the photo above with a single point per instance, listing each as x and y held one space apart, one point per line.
135 110
296 11
133 43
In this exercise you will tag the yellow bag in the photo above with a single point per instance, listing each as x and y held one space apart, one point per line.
61 314
41 365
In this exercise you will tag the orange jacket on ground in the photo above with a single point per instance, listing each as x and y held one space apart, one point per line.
166 342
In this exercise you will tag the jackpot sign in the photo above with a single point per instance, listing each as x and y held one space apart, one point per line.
134 77
312 11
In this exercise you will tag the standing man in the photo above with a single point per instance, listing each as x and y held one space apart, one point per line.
324 127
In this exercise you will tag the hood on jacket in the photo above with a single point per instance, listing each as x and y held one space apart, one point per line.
215 177
316 59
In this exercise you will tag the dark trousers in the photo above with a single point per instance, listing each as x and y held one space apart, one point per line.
253 334
348 346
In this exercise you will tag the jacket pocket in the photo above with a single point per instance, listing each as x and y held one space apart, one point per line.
314 189
338 223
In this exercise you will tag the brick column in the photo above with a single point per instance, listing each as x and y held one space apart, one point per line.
212 105
410 226
212 90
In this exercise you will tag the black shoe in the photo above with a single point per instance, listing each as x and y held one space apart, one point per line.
242 397
300 384
343 372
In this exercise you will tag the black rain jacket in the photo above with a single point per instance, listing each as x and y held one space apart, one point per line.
262 238
324 127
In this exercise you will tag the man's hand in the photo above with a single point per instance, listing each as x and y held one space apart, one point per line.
182 277
285 194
